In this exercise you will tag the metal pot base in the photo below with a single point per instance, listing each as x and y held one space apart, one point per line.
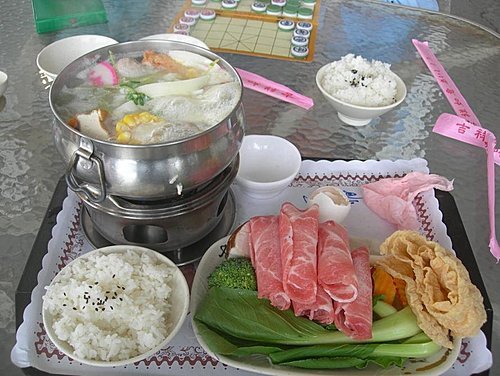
180 256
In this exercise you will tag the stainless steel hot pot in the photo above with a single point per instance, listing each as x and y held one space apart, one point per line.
164 225
98 168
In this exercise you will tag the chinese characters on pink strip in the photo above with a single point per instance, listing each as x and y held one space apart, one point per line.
263 85
455 127
450 90
466 128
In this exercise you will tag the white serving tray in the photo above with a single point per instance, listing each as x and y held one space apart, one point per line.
184 355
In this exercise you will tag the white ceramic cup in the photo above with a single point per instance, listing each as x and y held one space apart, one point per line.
268 164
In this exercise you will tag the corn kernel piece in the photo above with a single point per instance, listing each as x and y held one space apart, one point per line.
121 127
124 138
144 117
124 126
130 119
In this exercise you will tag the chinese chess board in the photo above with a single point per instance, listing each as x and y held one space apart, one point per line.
243 31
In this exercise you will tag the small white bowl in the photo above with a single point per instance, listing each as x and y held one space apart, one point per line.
268 164
177 38
53 58
360 115
179 306
3 82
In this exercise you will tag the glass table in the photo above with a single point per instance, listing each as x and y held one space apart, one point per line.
30 168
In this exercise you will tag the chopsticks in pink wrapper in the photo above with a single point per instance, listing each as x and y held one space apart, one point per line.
263 85
466 128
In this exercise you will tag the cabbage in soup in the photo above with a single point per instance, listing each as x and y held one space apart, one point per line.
156 98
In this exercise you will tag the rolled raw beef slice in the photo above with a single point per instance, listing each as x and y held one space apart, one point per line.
299 269
321 310
355 318
335 267
265 245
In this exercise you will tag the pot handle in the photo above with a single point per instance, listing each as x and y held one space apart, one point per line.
73 183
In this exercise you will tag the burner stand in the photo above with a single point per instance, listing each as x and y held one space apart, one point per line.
181 256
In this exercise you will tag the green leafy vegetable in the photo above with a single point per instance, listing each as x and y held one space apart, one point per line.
376 298
132 94
330 326
418 338
328 363
112 59
212 65
324 356
235 347
130 84
236 273
247 317
345 362
383 309
234 322
363 351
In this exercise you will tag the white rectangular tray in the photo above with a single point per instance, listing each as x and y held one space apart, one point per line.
184 355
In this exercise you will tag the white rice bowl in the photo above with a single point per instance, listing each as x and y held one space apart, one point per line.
355 80
115 305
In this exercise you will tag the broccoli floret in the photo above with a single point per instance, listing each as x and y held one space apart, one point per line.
236 273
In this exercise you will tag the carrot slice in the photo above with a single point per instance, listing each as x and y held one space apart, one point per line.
383 284
73 122
400 292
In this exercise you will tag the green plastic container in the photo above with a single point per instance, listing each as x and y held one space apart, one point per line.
53 15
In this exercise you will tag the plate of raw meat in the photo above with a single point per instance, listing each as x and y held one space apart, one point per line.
436 364
364 325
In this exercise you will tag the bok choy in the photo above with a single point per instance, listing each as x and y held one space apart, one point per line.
247 317
236 323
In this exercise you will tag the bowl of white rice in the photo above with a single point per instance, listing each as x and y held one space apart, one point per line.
360 90
115 305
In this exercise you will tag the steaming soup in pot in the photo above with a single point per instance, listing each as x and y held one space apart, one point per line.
151 99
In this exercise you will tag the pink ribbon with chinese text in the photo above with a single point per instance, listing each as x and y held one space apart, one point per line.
455 127
263 85
466 128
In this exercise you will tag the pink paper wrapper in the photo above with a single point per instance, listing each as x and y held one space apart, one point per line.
263 85
392 198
